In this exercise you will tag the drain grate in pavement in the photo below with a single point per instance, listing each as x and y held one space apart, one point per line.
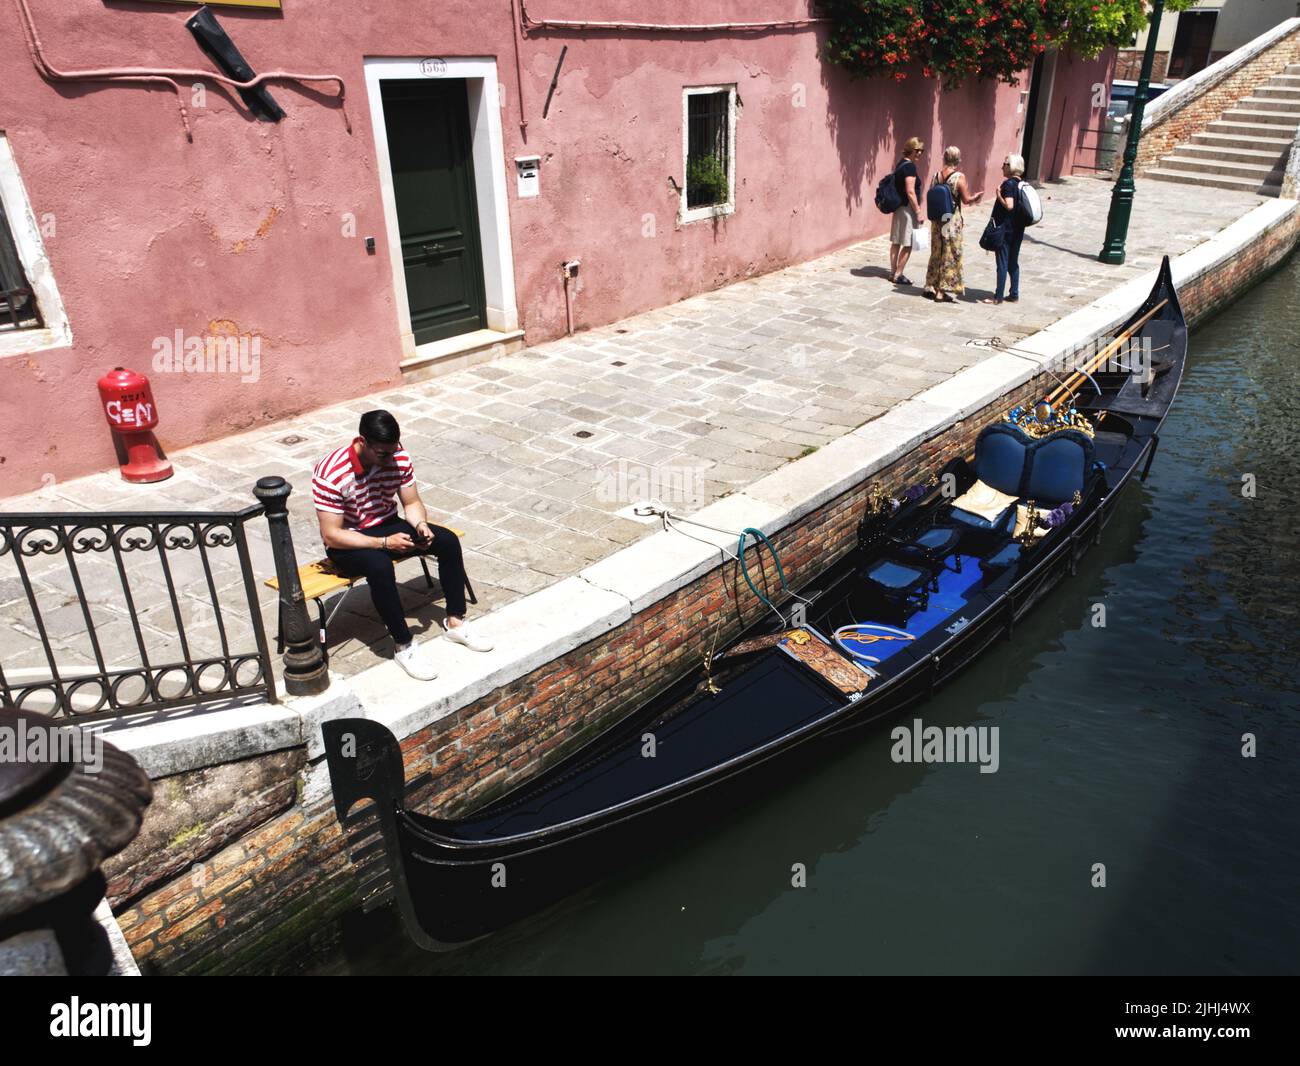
293 438
583 434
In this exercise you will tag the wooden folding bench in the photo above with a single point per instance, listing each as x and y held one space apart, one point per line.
320 580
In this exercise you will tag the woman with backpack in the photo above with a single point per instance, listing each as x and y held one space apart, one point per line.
947 196
1008 216
907 188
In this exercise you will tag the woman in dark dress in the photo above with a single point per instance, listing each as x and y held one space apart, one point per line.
1004 213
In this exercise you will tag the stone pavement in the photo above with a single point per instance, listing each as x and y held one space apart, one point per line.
534 455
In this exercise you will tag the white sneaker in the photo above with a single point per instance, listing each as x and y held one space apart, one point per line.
463 634
416 662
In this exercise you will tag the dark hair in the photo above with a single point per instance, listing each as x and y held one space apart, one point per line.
379 427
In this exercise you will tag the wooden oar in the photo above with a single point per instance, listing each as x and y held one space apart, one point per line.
1079 377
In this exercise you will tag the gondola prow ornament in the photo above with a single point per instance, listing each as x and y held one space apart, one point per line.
132 415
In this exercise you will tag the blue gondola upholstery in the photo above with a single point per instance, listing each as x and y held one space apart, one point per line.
1004 557
1058 467
937 538
1048 471
897 577
900 588
1001 453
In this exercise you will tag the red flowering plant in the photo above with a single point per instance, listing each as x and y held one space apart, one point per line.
984 38
870 37
957 40
952 40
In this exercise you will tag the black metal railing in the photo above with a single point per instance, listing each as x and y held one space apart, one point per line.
19 310
18 306
1105 146
125 613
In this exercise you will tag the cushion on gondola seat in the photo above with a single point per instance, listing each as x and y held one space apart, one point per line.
984 508
896 577
938 539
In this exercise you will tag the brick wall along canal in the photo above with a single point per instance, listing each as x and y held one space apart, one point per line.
1119 744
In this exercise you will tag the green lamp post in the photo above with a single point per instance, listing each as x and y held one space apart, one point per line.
1121 197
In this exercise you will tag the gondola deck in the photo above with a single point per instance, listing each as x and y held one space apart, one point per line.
777 690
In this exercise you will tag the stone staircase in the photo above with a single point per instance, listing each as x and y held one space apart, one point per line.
1247 147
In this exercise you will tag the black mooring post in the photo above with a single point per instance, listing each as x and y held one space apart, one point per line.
304 662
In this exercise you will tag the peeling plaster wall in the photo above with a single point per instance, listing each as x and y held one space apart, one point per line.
241 233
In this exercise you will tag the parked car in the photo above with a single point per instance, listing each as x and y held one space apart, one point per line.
1123 92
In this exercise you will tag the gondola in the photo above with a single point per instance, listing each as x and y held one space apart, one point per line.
934 580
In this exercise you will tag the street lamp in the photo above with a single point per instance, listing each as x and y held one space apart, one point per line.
1121 197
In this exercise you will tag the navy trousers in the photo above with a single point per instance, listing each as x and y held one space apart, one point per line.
376 566
1008 257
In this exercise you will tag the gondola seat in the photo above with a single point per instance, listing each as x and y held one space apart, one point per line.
899 587
932 546
1049 471
1006 556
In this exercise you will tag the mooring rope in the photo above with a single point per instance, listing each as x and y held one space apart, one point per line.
853 633
670 520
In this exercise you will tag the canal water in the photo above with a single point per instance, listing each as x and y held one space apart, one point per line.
1120 744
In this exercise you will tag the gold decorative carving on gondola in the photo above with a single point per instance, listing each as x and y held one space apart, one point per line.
1042 420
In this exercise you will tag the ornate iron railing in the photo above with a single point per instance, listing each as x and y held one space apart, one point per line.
161 572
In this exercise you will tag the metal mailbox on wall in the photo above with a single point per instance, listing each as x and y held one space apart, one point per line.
529 169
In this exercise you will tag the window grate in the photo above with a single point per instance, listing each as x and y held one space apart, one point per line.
18 308
708 149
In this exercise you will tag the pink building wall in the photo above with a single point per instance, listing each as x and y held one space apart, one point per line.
1080 83
242 231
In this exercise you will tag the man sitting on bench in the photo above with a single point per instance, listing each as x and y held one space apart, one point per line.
353 488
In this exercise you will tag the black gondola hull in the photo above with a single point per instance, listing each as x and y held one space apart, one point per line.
605 807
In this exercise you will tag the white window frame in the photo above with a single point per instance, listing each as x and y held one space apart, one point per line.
56 333
696 214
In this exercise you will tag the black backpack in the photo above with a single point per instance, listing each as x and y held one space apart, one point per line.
939 203
887 199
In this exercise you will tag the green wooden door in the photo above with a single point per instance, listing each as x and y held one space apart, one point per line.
427 125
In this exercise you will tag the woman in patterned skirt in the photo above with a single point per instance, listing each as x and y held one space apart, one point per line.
943 277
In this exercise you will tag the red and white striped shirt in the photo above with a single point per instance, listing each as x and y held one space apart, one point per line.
340 485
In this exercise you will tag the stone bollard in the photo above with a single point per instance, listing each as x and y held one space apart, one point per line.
67 802
304 662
